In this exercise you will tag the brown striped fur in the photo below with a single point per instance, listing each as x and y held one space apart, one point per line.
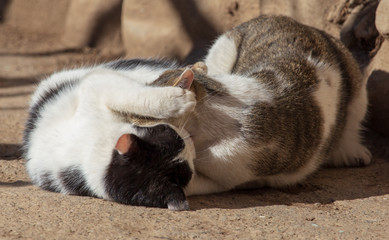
279 100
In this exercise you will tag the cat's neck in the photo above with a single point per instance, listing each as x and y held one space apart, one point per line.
214 115
206 87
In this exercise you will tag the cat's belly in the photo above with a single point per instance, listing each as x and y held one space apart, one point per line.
233 163
228 163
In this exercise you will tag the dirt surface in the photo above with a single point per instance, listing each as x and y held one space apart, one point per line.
348 203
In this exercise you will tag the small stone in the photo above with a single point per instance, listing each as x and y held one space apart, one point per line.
314 225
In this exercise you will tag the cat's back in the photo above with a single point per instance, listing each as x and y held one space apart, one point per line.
282 42
279 47
268 39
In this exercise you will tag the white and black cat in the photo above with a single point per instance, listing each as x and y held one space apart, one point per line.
279 99
77 139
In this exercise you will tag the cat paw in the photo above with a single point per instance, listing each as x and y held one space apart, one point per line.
178 102
357 158
363 158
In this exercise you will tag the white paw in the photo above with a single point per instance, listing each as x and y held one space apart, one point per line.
361 156
178 102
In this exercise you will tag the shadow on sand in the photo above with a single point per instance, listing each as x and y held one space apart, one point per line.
324 187
10 151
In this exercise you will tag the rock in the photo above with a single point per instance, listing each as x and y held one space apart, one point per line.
86 20
382 18
49 27
378 88
314 13
359 33
31 27
156 33
178 29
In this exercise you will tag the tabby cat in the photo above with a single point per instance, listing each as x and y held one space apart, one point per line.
279 100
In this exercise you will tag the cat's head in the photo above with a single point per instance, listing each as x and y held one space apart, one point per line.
151 167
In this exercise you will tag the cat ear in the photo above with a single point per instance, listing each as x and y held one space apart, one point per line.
126 143
185 80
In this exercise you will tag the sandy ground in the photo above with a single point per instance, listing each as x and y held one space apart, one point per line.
349 203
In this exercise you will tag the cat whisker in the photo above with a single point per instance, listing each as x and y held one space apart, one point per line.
187 137
206 98
204 150
199 159
182 126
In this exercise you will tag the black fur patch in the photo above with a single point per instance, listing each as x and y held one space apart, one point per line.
127 64
35 111
73 180
148 176
47 182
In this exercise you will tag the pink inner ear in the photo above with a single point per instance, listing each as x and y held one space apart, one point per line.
185 80
124 143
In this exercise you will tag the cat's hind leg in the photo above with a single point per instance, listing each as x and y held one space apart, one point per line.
222 56
350 150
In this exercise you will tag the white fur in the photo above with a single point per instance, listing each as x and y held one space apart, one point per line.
327 96
350 151
246 89
57 79
78 127
124 93
222 56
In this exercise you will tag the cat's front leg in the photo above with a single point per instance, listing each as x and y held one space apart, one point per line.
169 102
119 93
